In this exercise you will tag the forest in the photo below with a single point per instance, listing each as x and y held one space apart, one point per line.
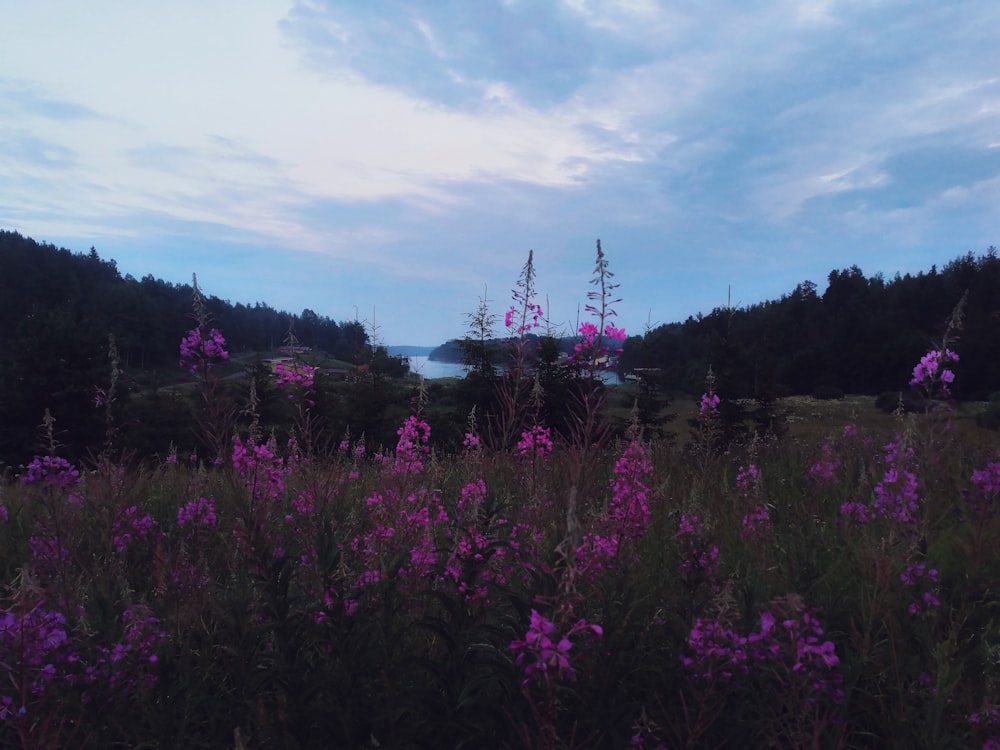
860 335
60 311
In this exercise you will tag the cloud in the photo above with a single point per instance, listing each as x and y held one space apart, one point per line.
30 101
455 53
21 148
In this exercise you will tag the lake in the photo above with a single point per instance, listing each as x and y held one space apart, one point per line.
432 370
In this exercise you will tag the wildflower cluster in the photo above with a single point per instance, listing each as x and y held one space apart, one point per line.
297 376
822 472
982 498
402 528
471 442
131 525
932 376
195 513
524 315
412 446
792 636
629 508
51 474
34 653
591 351
757 522
895 496
916 576
544 654
128 666
535 444
708 407
788 648
627 516
51 471
717 653
49 553
486 549
202 349
708 435
591 354
260 467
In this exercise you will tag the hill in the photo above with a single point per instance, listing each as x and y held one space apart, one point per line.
58 310
861 335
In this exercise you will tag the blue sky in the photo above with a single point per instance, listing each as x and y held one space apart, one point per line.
393 160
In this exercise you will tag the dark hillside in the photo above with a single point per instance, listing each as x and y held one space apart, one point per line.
58 309
862 335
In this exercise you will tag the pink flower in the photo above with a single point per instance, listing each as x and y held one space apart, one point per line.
535 443
545 651
709 405
295 375
931 371
202 350
615 334
200 512
413 437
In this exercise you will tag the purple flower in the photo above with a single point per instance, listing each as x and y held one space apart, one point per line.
535 443
412 445
51 471
201 349
546 652
931 374
200 512
709 406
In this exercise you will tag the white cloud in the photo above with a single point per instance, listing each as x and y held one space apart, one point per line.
178 75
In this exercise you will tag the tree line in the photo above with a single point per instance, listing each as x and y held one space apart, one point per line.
58 309
862 335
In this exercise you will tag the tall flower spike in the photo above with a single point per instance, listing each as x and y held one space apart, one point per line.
592 354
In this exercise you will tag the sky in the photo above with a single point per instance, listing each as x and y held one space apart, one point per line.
395 162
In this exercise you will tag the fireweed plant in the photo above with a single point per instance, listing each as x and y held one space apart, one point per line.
202 351
514 385
297 381
840 594
594 354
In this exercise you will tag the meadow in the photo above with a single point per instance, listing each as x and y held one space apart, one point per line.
836 588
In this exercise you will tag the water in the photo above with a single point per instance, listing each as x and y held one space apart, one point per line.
431 370
420 365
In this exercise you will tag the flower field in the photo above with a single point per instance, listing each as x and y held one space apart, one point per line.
551 591
839 595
